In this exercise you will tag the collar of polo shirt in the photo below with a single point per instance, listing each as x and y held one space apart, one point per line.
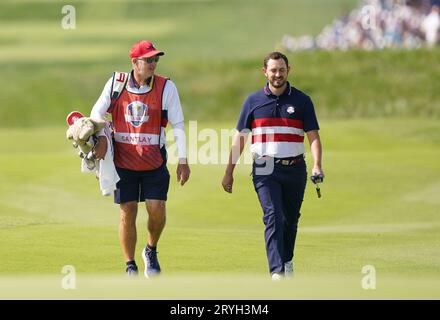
288 90
133 83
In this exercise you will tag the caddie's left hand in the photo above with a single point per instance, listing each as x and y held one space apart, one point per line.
183 171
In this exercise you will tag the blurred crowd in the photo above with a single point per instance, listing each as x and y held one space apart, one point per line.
377 24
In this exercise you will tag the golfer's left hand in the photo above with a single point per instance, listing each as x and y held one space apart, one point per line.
318 171
183 171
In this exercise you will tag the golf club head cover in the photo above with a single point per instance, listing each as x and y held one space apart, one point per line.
82 131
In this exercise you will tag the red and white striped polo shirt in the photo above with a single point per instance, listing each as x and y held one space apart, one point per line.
278 137
278 123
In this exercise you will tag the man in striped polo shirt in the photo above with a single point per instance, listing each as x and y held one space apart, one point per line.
278 116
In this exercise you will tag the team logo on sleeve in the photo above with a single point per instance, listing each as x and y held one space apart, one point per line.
136 113
290 109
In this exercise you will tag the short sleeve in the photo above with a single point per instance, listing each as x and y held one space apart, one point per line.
310 120
244 121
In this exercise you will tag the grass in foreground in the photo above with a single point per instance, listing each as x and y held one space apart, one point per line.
379 207
218 287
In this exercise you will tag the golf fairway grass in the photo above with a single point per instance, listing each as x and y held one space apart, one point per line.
380 207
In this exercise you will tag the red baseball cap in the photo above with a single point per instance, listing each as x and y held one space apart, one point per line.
144 49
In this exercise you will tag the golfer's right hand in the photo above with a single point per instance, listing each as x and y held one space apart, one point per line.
228 181
100 148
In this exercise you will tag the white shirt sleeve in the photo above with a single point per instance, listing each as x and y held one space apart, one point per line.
102 104
171 103
180 139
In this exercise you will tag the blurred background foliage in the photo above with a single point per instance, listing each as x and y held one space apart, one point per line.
214 51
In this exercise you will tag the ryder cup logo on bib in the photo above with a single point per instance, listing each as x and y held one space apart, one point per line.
136 113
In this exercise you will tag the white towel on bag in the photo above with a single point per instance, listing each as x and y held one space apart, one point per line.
105 169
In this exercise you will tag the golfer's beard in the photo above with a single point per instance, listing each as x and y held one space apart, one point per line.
278 83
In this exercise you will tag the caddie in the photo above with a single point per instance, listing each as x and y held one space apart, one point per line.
141 103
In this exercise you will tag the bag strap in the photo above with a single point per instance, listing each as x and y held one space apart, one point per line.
118 84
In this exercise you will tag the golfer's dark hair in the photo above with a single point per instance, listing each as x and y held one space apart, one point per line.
275 56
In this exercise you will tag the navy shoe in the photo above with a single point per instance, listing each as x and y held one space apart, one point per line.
131 270
152 267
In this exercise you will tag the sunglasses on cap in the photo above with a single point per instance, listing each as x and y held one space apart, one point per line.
150 59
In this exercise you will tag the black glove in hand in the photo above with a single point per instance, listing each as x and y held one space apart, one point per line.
318 178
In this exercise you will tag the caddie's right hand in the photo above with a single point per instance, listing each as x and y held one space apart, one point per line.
100 148
228 181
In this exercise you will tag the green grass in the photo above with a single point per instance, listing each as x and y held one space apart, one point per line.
380 207
379 124
213 286
185 28
342 85
214 52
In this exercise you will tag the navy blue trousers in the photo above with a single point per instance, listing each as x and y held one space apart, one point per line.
281 194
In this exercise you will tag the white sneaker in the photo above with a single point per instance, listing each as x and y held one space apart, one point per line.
288 269
276 277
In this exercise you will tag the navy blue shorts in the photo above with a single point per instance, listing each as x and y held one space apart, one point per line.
141 185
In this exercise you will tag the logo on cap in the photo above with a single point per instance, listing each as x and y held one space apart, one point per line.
136 113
